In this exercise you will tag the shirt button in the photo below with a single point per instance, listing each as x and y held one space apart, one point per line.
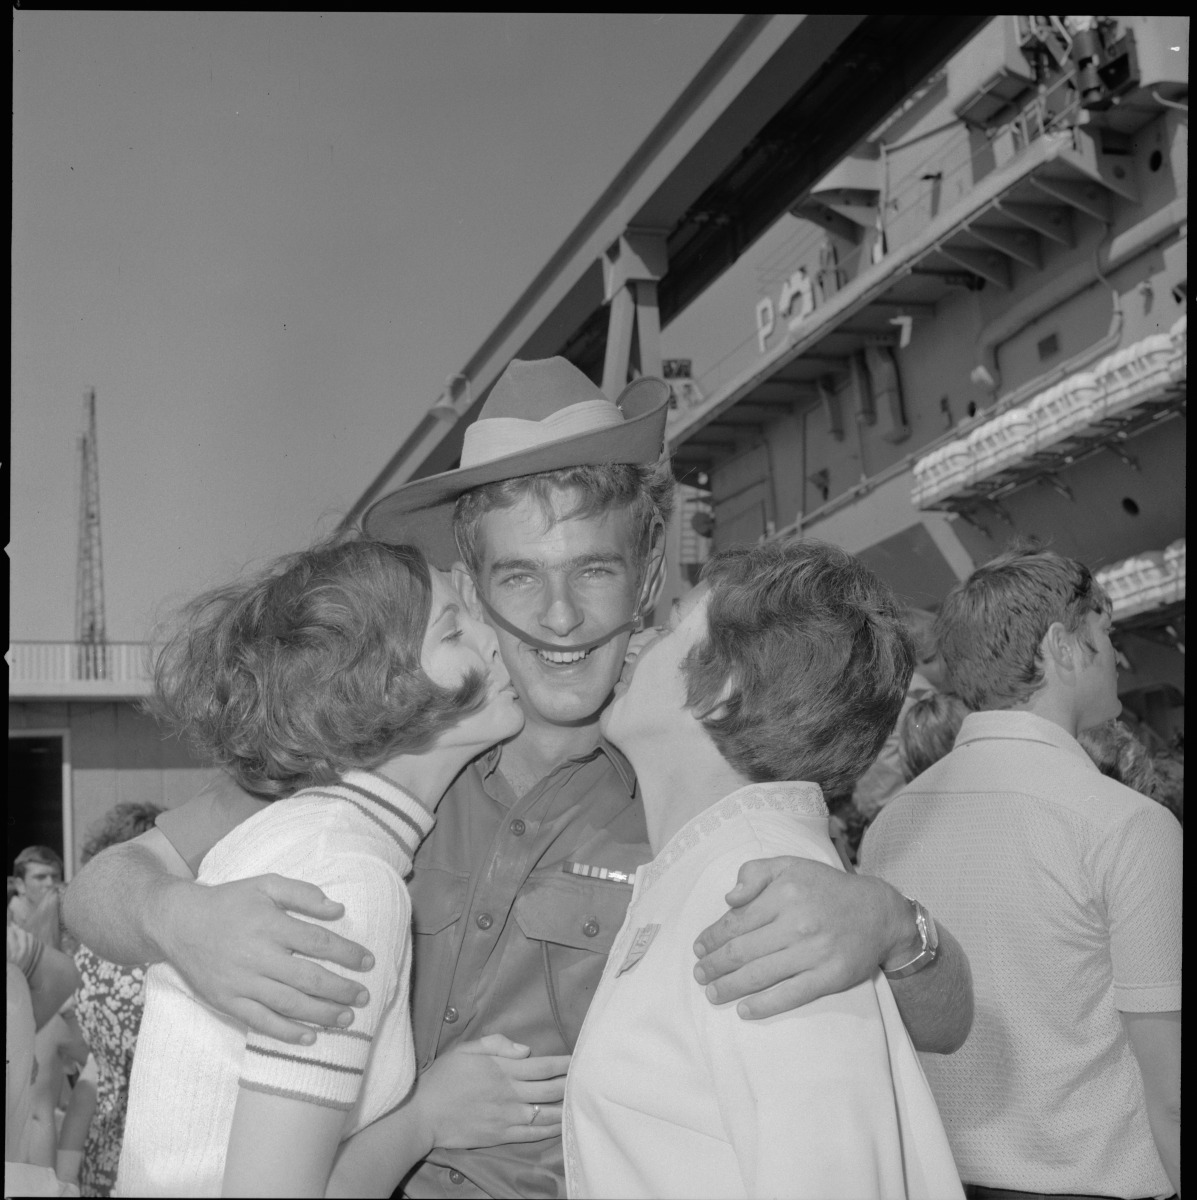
591 928
450 1015
517 827
456 1177
485 920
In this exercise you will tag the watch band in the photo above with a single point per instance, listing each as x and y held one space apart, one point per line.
928 943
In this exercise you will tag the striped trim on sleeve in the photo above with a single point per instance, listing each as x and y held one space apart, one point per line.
329 1072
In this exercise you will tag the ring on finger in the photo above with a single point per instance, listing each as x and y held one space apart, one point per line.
535 1114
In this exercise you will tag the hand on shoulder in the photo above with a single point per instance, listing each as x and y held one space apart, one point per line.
798 929
242 951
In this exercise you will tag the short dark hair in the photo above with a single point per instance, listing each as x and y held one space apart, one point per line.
928 731
121 823
310 668
992 625
45 855
805 664
646 490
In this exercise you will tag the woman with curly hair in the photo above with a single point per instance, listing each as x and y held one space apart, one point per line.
349 685
780 676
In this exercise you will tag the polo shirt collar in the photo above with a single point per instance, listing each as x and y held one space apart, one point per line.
389 808
1019 726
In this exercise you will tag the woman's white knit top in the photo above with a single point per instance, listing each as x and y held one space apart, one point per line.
355 840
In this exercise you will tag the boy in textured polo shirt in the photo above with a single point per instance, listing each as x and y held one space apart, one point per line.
1063 886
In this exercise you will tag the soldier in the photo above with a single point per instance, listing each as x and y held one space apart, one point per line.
554 527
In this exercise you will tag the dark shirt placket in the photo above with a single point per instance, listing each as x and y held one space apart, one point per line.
497 915
485 926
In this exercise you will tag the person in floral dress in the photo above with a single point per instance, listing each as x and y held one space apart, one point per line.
108 1006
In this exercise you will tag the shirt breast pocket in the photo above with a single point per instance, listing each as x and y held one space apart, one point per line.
437 900
575 921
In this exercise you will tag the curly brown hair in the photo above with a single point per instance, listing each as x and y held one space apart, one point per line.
805 665
309 668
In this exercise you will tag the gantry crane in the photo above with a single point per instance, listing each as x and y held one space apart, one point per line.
92 654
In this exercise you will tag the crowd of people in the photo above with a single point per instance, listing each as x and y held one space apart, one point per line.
499 894
85 1016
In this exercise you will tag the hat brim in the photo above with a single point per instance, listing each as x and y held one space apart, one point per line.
420 513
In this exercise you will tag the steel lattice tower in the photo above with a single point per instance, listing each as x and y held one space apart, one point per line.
89 569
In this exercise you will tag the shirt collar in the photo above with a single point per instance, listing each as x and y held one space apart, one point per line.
1019 726
799 799
490 762
389 809
623 768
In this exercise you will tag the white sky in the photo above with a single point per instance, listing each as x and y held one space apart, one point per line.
266 240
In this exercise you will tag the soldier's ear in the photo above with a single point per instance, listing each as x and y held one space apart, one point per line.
656 568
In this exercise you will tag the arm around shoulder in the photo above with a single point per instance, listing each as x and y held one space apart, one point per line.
235 943
936 1005
800 929
112 905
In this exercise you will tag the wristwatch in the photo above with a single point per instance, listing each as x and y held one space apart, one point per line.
928 943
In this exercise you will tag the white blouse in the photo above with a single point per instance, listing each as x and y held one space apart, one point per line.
669 1095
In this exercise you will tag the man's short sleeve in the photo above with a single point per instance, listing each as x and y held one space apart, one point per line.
195 827
377 914
1140 875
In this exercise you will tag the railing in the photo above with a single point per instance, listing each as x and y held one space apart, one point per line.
1145 582
1123 394
112 664
953 167
956 166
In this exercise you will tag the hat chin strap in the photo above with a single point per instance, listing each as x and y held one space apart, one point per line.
645 602
524 636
